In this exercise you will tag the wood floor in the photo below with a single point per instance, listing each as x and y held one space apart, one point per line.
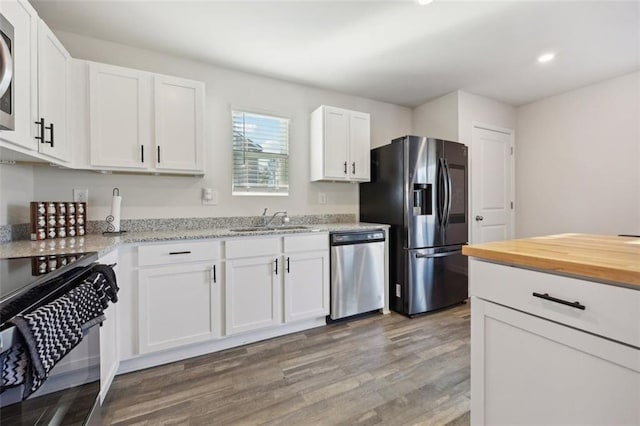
385 369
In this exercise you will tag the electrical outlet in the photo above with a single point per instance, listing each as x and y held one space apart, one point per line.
80 195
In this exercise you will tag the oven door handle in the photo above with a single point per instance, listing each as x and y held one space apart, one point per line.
6 72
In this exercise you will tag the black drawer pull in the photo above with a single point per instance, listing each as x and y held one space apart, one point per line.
179 252
546 296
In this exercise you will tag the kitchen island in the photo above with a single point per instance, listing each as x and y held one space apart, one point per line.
555 330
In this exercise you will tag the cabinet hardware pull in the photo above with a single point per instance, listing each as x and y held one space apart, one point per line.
179 252
50 128
276 266
158 155
142 153
345 167
40 123
288 269
546 296
353 168
214 274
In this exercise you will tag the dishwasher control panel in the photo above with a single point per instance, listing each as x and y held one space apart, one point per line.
358 237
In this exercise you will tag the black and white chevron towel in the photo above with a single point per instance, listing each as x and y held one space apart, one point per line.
48 333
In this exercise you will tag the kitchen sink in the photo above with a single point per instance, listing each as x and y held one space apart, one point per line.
268 228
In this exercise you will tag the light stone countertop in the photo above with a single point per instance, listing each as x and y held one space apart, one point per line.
104 244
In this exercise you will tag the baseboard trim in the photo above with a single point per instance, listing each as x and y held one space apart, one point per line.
203 348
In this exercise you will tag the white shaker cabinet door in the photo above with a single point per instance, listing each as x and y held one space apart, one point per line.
253 293
336 143
120 117
179 106
178 305
52 94
571 377
25 81
306 285
360 146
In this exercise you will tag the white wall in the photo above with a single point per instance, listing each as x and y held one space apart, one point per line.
16 191
578 161
478 109
162 196
437 118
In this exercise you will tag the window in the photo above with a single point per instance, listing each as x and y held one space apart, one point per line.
260 154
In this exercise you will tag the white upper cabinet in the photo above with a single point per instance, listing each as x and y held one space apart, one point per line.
120 113
25 26
179 105
52 94
40 87
144 122
340 145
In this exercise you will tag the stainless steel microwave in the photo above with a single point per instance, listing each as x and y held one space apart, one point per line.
6 75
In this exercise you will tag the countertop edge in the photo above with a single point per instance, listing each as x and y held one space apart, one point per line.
600 273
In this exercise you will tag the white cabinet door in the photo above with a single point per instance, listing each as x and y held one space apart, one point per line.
571 377
306 285
25 84
253 293
336 143
359 146
120 117
179 106
52 94
109 358
177 305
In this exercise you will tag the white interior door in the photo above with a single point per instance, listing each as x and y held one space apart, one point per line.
492 214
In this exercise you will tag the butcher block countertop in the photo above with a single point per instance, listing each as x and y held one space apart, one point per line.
596 257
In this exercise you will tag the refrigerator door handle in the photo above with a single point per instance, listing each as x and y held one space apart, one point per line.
431 255
441 191
449 192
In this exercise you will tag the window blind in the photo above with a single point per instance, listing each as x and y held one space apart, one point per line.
260 154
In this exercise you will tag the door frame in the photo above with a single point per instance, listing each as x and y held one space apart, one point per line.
474 153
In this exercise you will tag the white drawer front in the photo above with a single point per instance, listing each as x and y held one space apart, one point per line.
610 311
189 251
252 247
306 242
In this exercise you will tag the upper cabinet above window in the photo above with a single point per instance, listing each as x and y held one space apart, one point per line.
340 145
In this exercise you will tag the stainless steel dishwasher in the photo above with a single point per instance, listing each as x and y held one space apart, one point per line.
357 272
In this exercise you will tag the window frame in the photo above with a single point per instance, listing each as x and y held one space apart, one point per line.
278 191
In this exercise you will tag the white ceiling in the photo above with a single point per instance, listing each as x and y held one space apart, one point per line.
393 51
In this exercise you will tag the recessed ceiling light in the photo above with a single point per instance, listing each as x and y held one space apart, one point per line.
423 2
546 57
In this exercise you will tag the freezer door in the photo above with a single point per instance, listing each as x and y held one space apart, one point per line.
436 278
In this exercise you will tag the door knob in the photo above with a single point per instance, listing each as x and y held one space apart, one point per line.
479 218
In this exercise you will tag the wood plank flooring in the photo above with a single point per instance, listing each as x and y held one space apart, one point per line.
383 369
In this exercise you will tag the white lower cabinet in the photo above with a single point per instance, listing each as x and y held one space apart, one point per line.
180 303
286 281
538 358
306 285
253 294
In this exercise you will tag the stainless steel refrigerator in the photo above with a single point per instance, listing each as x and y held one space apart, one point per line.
419 187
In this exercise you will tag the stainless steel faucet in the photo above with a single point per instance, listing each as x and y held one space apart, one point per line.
285 217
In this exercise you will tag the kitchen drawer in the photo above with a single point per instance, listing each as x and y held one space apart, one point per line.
313 242
610 311
189 251
252 247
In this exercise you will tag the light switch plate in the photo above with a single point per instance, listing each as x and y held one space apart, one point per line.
209 197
